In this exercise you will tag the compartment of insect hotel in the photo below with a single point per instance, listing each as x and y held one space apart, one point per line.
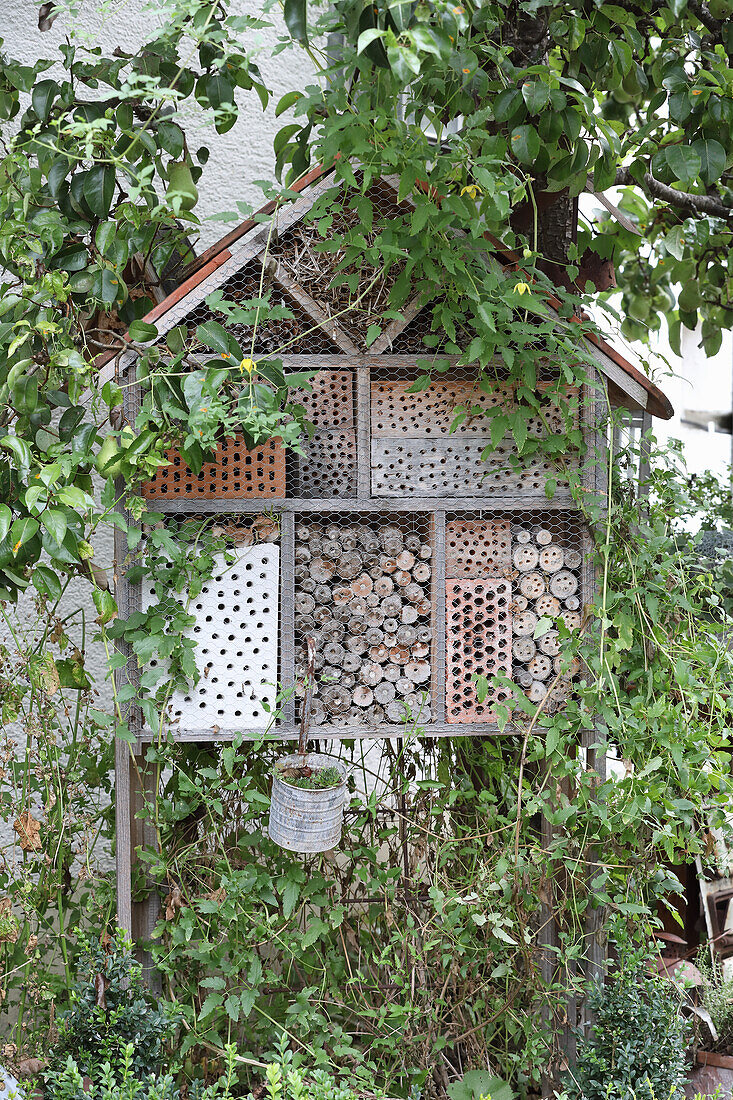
364 591
510 579
327 466
236 624
436 442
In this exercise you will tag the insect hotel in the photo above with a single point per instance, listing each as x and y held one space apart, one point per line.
416 562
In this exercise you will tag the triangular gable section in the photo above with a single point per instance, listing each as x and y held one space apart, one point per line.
299 273
299 276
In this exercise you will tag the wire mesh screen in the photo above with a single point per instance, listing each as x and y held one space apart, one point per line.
288 328
235 622
437 441
364 591
311 254
511 578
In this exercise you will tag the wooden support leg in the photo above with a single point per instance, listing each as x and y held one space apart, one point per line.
134 785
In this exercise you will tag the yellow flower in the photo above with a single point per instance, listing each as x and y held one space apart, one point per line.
248 365
471 190
522 288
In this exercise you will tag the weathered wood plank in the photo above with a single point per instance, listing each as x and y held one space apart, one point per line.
514 498
453 467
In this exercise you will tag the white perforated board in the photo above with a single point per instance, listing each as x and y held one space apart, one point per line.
236 636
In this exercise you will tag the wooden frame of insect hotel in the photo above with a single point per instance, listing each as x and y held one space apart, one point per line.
417 559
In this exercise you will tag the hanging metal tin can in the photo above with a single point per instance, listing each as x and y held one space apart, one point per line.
304 819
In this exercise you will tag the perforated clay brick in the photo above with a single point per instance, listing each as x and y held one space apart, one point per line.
477 548
478 640
235 472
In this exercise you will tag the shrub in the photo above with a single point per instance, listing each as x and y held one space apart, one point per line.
111 1013
638 1041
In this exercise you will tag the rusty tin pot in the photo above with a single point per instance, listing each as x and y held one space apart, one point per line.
303 820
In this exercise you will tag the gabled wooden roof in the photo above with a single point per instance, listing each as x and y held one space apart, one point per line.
302 282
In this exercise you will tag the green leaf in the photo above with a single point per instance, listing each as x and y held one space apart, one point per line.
674 242
25 394
536 95
368 36
215 336
524 143
712 159
99 188
291 893
684 162
286 102
46 582
142 331
43 96
6 518
295 20
22 531
20 450
54 520
105 604
170 136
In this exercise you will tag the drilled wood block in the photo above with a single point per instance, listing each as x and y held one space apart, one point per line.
330 401
235 472
452 468
477 548
432 412
328 466
478 639
397 413
236 632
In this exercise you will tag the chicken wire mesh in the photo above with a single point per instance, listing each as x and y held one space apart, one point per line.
511 579
235 620
364 592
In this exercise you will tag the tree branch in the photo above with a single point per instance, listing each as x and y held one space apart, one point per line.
702 12
696 204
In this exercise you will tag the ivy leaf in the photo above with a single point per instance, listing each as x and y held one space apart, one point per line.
295 20
525 144
99 188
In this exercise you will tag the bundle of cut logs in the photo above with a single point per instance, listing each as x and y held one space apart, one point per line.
363 593
546 586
